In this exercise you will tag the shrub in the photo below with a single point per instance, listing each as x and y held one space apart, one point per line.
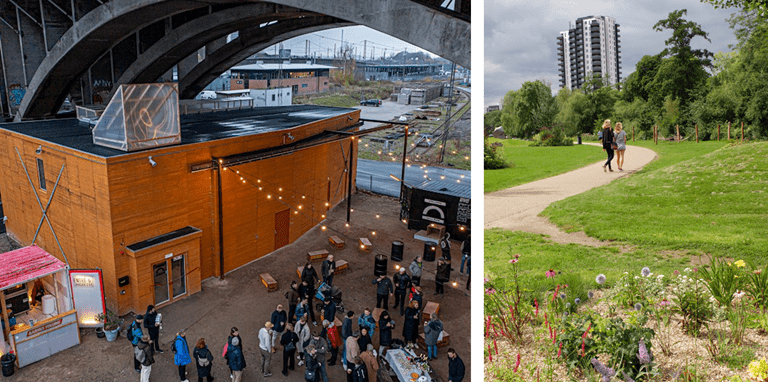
492 158
692 303
722 280
551 137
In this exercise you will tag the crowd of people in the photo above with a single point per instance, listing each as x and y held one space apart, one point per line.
315 346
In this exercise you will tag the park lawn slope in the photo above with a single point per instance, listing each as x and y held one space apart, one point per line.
534 163
715 204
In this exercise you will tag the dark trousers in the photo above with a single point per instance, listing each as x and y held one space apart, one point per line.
439 287
311 312
334 354
382 298
136 363
416 280
328 280
291 312
154 335
182 372
400 300
610 157
288 360
208 378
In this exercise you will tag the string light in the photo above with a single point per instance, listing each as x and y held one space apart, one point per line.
373 233
225 169
322 216
377 216
346 225
322 228
280 189
269 196
237 171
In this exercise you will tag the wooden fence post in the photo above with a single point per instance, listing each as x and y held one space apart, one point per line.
633 133
656 134
697 133
677 131
729 130
718 131
742 131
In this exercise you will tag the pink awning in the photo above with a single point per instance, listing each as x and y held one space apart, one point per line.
26 264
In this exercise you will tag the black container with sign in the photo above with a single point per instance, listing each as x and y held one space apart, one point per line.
397 251
380 265
430 248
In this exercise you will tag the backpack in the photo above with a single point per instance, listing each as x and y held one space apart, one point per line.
203 361
139 354
129 335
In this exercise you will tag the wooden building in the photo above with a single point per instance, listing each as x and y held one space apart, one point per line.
151 220
301 78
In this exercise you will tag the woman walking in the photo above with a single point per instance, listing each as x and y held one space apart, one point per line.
607 142
288 340
621 145
181 358
203 361
235 359
233 334
411 323
303 334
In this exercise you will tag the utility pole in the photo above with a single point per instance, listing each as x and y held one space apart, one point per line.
365 48
448 114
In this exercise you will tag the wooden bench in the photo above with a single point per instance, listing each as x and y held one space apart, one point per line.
317 255
440 343
269 282
341 266
365 244
431 307
336 241
298 271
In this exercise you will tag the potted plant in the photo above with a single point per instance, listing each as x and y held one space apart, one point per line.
111 324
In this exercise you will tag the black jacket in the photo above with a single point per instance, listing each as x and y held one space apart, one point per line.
363 342
385 332
329 312
360 373
310 276
279 319
443 273
607 138
384 286
346 328
326 268
288 337
455 369
149 319
402 282
203 353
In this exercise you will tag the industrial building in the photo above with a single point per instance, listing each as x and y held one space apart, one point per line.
306 78
591 47
159 211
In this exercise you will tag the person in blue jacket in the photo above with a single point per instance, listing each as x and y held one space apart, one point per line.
135 335
235 359
181 358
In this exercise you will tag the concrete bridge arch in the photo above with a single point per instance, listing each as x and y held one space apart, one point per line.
165 30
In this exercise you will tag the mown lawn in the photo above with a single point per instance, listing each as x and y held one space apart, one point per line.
716 203
534 163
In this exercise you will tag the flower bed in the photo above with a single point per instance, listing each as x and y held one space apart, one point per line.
705 324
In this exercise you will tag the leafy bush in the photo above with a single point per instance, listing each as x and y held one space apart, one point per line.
575 334
622 341
692 303
551 136
757 287
722 280
508 306
492 158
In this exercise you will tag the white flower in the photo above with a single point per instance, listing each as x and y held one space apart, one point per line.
650 274
687 270
660 277
738 295
626 273
637 277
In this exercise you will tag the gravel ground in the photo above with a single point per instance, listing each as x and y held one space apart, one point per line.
241 300
518 208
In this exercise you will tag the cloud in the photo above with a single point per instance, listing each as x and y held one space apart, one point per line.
521 37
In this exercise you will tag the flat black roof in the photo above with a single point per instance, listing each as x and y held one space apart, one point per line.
195 128
164 238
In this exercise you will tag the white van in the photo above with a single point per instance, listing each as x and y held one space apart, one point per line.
207 94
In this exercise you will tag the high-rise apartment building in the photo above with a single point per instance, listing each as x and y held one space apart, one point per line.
590 48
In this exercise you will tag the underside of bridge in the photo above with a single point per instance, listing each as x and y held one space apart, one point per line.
84 49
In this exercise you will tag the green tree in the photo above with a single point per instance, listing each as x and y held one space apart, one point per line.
637 83
760 6
682 71
491 120
529 109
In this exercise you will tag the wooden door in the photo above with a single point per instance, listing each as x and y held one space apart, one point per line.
282 227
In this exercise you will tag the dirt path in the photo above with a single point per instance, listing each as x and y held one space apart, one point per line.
518 208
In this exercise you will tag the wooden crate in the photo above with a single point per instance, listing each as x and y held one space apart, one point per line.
268 282
431 307
365 244
444 342
336 241
317 255
298 271
341 266
435 228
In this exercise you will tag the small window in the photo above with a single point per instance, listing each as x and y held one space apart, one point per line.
41 173
273 97
303 85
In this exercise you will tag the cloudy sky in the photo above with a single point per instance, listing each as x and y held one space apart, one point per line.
521 37
374 42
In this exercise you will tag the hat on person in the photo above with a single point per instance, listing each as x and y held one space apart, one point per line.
402 270
356 334
140 317
269 324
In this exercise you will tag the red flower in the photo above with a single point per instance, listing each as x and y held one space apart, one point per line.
518 363
560 350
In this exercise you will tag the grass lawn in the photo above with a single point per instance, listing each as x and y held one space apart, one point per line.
534 163
715 203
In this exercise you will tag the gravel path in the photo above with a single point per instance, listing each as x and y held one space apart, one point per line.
518 208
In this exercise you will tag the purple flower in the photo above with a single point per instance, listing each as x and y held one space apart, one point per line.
512 261
626 377
643 355
600 279
605 371
490 291
550 274
485 280
590 294
665 303
517 255
577 301
676 272
638 306
562 295
645 272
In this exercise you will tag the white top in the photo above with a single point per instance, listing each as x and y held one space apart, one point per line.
265 339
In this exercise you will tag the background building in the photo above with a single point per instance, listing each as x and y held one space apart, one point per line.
303 79
590 48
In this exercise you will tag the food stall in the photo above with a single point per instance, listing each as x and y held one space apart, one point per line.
38 318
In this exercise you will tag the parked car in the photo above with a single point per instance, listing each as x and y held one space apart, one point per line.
207 94
371 102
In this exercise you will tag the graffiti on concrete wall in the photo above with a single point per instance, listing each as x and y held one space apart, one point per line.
16 94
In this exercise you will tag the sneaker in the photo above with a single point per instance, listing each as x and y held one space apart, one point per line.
267 375
285 373
314 323
231 376
604 169
160 351
301 363
138 370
